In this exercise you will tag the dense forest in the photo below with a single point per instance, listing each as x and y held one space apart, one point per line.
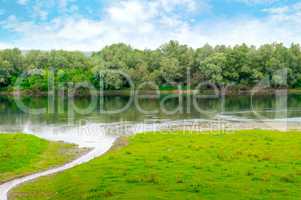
240 65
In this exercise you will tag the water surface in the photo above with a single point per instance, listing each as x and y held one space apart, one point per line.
62 122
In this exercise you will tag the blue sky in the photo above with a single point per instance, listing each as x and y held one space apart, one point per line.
90 25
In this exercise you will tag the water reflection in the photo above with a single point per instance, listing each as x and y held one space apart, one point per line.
173 108
239 106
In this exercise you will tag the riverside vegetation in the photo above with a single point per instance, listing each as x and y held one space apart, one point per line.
253 164
241 65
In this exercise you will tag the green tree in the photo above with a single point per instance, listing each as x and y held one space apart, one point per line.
212 68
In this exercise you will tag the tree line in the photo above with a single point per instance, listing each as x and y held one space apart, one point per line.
240 65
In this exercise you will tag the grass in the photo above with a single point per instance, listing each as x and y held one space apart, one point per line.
22 155
242 165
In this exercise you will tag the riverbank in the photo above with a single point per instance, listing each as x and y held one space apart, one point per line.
151 93
22 155
179 165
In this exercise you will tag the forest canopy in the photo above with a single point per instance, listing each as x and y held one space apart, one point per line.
240 65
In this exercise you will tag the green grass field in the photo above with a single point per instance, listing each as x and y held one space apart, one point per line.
242 165
22 154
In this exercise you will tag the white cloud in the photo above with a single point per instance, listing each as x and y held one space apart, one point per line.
22 2
39 12
256 1
5 46
148 24
190 5
278 10
64 4
131 12
42 8
73 9
284 10
144 24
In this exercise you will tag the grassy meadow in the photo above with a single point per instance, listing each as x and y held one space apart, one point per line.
22 155
240 165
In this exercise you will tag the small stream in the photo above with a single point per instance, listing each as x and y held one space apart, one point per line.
97 140
99 137
6 187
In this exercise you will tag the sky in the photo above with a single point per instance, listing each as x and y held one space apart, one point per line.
146 24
